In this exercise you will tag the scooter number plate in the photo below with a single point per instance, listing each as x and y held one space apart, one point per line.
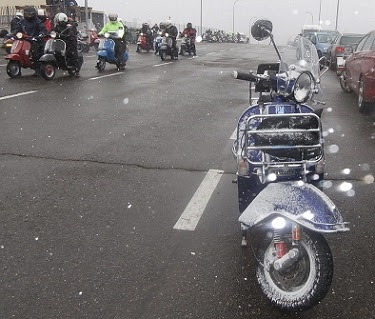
340 61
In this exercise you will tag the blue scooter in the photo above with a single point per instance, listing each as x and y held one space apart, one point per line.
280 163
106 52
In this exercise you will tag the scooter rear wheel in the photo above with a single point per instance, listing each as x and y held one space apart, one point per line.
48 71
305 283
14 69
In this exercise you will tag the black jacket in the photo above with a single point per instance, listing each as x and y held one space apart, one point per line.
172 31
67 31
32 27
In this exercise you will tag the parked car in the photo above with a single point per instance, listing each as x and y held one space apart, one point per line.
341 49
359 72
322 40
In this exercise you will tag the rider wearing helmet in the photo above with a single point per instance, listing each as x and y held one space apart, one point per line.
15 21
191 32
68 32
32 26
43 17
172 33
114 25
146 30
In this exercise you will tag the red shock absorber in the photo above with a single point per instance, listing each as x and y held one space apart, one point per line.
280 245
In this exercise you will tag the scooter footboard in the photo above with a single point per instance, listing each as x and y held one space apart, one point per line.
297 201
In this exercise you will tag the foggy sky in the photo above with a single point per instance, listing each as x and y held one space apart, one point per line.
288 16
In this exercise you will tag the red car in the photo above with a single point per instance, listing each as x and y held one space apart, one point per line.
359 72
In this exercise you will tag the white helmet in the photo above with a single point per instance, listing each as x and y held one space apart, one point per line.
113 17
61 17
168 22
41 13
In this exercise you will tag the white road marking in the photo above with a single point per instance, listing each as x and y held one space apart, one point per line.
16 95
163 64
3 64
194 210
210 53
106 76
234 135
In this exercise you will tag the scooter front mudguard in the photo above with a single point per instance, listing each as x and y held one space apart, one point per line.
13 57
47 58
300 202
102 54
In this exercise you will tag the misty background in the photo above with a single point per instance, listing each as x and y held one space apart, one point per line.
288 16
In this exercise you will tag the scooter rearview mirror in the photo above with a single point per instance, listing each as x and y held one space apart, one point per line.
261 29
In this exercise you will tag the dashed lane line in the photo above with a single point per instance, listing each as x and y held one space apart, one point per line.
16 95
163 64
105 76
194 210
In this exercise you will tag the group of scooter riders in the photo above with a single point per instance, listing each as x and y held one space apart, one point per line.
35 24
167 28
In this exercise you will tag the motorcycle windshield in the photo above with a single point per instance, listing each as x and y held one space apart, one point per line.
297 57
116 34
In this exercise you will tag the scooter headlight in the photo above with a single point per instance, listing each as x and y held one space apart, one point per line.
279 223
19 35
53 34
106 35
304 87
167 35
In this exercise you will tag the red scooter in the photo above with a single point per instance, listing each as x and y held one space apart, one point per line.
20 55
92 40
142 43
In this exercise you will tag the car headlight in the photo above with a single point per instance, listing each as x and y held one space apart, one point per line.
304 87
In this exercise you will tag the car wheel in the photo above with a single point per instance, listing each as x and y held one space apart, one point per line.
362 105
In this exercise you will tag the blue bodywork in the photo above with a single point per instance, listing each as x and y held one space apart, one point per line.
297 201
108 52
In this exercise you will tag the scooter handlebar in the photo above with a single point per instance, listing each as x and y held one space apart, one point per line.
244 76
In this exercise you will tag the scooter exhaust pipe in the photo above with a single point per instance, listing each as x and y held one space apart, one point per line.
287 260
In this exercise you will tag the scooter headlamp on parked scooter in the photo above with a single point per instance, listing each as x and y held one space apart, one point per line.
19 35
106 35
53 34
304 87
278 223
167 35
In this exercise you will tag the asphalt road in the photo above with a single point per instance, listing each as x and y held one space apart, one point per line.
96 171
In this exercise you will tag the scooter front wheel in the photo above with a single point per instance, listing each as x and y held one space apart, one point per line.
163 55
100 65
303 284
48 71
14 69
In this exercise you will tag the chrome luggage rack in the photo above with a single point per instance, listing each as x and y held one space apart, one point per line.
280 140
